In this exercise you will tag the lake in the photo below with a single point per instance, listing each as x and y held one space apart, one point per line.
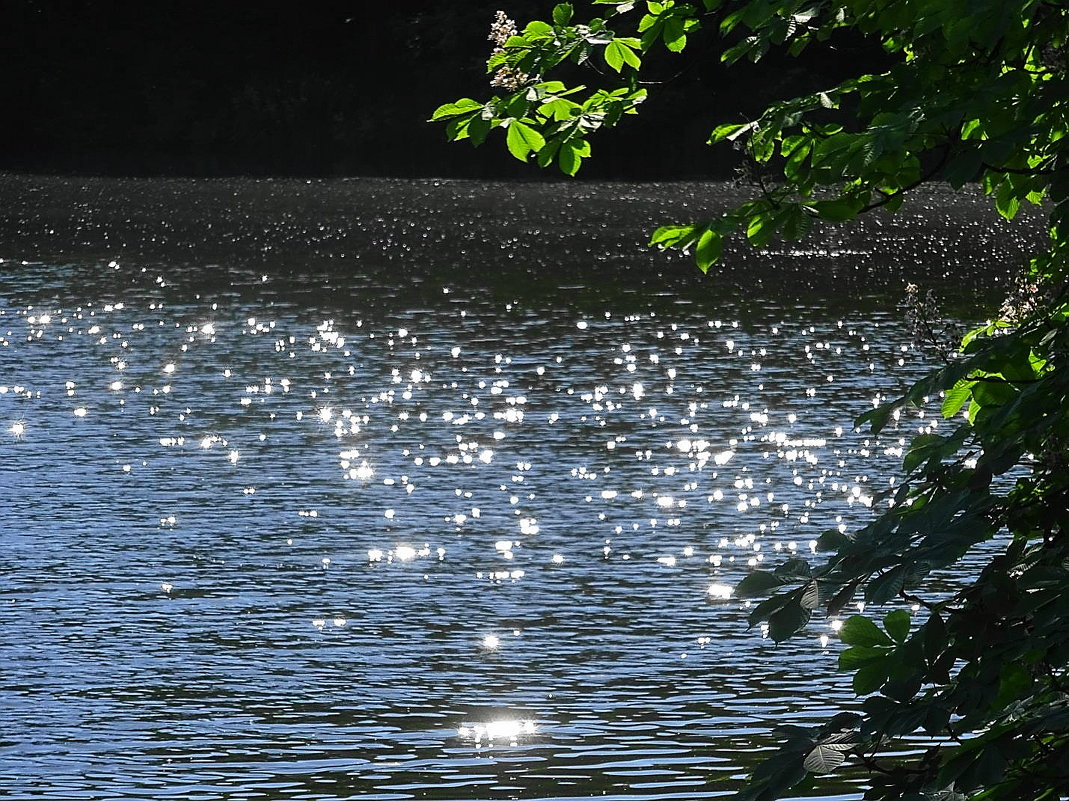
429 489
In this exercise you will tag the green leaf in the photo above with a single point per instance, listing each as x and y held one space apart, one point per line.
562 14
841 598
795 567
1014 682
463 106
831 540
993 392
1007 201
730 132
707 253
571 154
631 58
956 397
886 586
523 140
823 759
674 236
617 53
760 230
839 210
548 153
614 55
922 448
796 222
876 418
860 655
787 621
559 108
859 630
897 625
768 607
810 598
537 30
674 34
757 584
870 678
478 128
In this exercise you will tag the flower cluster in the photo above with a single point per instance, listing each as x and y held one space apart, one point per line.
506 77
1025 299
927 325
501 30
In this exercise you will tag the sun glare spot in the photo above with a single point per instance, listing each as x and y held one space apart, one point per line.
720 592
510 730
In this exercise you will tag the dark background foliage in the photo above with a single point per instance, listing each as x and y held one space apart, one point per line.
326 87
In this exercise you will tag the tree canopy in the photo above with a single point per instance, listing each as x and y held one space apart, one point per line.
964 694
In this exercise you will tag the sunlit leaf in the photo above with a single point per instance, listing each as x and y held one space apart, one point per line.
523 140
463 106
571 154
730 132
710 245
956 397
823 759
617 53
614 55
671 236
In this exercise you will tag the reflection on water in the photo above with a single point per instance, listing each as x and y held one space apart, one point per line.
353 490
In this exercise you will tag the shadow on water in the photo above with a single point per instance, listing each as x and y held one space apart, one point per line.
427 489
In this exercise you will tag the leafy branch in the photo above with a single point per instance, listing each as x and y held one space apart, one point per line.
978 93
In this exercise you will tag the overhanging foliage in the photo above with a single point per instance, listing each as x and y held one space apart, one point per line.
977 93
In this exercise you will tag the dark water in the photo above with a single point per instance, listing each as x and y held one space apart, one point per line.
395 490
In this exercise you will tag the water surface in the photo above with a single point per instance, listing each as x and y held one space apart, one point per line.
396 490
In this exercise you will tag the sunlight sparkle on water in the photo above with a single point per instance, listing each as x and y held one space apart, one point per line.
593 475
510 730
720 592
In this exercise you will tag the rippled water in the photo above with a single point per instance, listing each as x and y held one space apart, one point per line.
422 489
